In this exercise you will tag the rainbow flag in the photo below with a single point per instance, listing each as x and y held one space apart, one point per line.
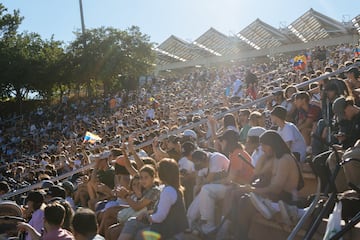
299 62
91 138
149 235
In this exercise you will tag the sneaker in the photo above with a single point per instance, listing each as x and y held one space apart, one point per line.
207 228
289 214
269 204
202 229
224 230
259 204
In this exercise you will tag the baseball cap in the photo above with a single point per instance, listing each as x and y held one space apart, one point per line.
339 107
46 184
230 136
256 131
279 112
56 191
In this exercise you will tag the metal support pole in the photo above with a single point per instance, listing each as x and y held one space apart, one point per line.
82 17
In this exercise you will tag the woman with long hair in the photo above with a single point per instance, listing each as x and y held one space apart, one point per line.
169 217
149 198
228 123
283 181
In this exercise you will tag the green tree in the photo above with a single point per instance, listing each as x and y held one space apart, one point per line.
108 55
27 62
9 23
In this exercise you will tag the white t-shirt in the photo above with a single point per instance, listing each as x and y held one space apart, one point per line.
217 163
290 133
236 86
185 164
255 156
168 197
149 113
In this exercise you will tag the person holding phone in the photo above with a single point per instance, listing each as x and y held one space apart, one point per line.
169 217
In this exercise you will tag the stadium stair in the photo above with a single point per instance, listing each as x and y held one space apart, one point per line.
273 229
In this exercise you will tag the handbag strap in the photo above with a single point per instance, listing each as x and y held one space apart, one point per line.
301 183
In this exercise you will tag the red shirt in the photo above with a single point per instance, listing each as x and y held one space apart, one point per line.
243 171
314 113
251 91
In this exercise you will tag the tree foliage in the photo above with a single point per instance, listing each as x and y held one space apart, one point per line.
27 61
105 57
9 23
108 55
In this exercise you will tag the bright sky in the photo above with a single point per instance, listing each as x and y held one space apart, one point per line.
186 19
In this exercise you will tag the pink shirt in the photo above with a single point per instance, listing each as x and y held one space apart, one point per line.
36 221
58 234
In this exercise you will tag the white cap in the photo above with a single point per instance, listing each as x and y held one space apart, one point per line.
256 131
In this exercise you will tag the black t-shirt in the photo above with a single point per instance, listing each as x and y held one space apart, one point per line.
352 131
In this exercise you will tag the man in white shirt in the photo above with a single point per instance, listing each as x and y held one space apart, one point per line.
211 167
237 88
185 164
289 133
252 145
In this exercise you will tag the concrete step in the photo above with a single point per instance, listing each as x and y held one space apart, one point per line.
310 181
273 229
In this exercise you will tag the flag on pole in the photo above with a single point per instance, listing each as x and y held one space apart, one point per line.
91 138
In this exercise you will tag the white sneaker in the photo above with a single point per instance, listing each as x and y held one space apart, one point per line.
202 228
269 204
207 228
259 204
289 213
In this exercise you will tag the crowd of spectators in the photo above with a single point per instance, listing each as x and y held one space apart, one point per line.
206 159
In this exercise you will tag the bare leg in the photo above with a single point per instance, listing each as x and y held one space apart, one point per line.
109 217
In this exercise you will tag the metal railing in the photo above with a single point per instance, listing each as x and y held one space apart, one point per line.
180 130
